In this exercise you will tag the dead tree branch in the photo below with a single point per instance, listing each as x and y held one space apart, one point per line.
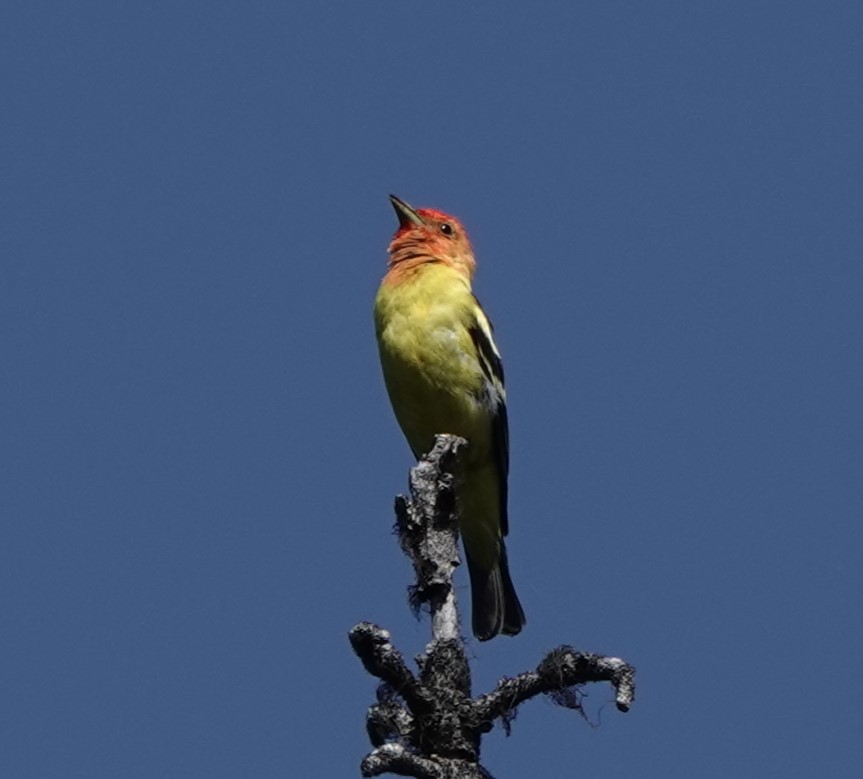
427 725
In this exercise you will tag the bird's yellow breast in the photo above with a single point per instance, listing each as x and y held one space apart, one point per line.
430 364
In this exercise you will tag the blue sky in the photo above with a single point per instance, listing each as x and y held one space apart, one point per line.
198 455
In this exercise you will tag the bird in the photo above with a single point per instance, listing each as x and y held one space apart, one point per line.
444 374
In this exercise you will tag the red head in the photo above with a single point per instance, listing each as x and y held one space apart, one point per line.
426 235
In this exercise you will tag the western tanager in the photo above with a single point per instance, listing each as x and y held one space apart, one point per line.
444 375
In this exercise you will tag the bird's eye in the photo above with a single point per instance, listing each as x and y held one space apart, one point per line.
446 228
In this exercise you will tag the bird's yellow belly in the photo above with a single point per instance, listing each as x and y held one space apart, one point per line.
434 388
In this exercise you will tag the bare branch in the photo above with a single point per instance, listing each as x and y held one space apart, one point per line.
395 759
561 669
428 726
381 659
428 531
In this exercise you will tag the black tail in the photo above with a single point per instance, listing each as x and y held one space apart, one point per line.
494 604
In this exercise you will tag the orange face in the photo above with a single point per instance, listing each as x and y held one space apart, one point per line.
426 235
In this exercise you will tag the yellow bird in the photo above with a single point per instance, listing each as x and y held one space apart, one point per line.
444 375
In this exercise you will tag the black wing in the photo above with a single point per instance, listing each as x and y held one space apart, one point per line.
492 368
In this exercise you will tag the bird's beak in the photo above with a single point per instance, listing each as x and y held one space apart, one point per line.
407 216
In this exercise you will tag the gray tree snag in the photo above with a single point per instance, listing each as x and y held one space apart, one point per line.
427 725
